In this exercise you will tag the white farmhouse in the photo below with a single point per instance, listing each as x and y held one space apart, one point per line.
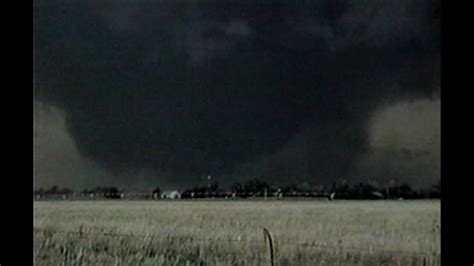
172 194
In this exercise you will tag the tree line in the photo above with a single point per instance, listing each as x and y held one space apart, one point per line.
55 191
337 190
259 188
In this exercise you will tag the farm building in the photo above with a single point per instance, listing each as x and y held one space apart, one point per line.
174 194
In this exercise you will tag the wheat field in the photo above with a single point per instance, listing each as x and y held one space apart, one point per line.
230 232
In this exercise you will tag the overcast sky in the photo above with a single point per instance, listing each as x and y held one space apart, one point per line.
167 92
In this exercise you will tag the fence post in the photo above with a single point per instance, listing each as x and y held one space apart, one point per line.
266 234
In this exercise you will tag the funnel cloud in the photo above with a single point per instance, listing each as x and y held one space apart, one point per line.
276 89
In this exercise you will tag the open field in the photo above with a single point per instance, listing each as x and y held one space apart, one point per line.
230 233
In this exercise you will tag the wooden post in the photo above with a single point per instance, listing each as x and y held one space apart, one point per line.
266 234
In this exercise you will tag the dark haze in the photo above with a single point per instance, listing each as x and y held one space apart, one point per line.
283 90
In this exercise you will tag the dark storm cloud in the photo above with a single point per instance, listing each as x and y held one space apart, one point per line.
196 87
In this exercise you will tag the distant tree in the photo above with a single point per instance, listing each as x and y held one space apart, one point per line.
402 191
202 192
435 191
156 193
437 186
39 191
111 193
238 188
362 191
251 187
54 190
405 191
66 191
374 183
256 186
87 191
340 187
304 187
289 190
213 187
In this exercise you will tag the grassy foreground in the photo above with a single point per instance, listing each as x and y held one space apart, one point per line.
230 233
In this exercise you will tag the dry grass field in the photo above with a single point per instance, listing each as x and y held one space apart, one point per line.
230 232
